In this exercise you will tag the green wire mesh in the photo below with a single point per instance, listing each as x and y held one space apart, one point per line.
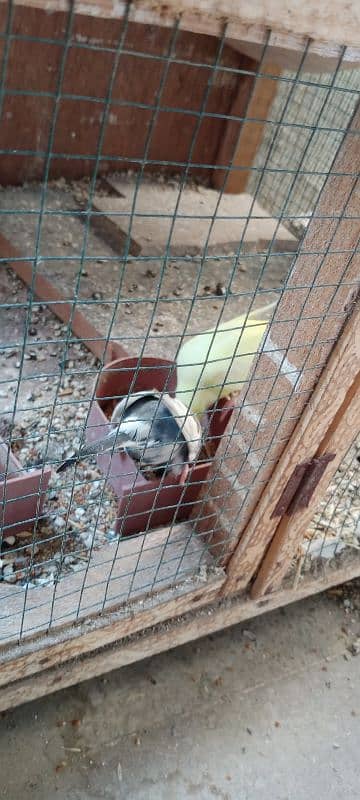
310 104
60 161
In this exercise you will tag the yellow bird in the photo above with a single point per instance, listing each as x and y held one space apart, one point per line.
217 362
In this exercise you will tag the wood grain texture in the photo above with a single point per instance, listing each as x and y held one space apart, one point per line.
251 132
229 144
291 530
247 23
69 642
161 638
32 77
328 397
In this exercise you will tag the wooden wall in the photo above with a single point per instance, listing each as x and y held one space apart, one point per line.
33 67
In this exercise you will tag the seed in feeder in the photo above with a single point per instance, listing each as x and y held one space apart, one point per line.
220 290
9 540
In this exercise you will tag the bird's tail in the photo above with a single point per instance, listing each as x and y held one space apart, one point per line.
114 437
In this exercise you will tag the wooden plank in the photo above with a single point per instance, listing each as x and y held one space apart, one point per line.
48 293
247 22
291 530
161 638
336 380
115 573
228 144
230 219
69 642
251 132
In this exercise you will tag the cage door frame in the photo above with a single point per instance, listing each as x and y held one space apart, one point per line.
333 401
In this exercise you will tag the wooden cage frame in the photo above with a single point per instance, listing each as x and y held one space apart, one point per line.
251 579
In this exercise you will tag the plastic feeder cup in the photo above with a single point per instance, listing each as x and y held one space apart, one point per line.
145 504
23 492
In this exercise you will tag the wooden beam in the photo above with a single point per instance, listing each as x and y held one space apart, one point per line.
291 530
66 311
336 380
161 638
69 642
247 23
251 133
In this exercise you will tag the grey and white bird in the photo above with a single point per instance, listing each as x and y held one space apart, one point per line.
163 433
156 430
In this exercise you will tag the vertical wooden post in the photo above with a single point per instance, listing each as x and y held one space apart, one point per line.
250 133
291 530
331 393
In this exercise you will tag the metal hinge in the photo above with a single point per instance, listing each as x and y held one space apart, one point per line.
301 486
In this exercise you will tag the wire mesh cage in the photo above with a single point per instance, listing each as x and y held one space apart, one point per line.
127 229
326 100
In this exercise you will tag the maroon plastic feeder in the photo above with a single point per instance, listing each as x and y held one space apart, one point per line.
146 503
22 493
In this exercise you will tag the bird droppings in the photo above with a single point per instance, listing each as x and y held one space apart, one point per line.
247 634
60 766
220 290
9 540
354 647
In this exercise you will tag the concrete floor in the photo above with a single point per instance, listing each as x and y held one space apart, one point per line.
268 709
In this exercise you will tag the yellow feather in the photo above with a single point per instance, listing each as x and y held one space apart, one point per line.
217 362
